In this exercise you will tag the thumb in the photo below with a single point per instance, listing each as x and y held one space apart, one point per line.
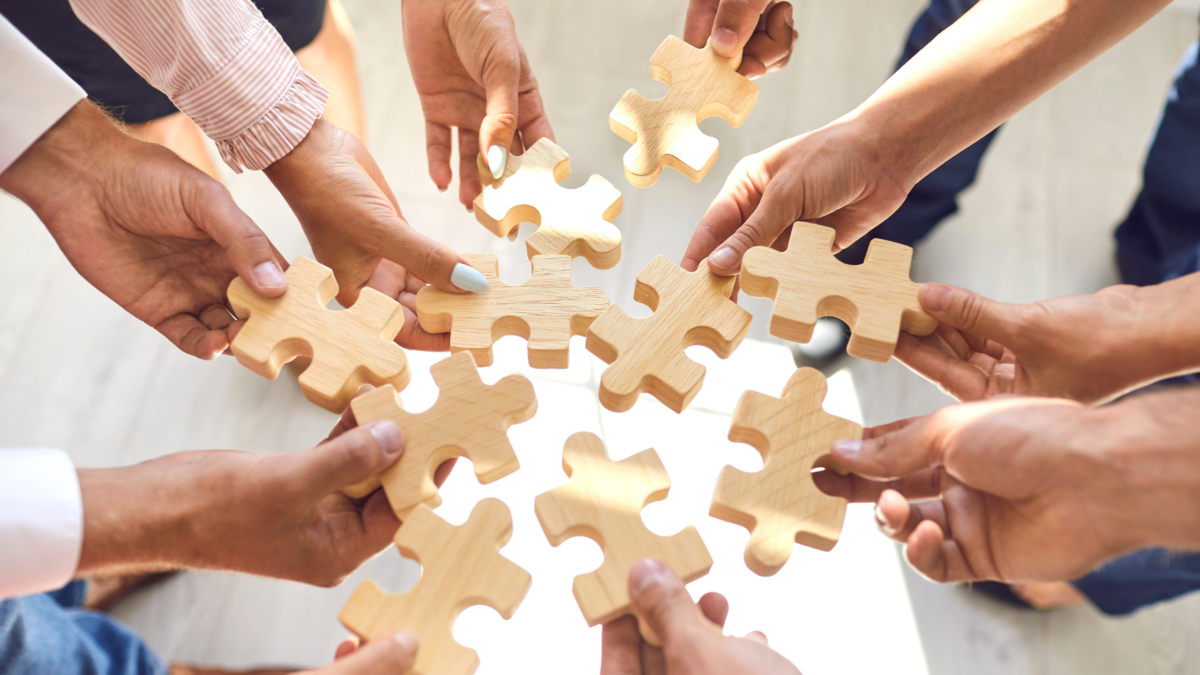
350 458
971 312
773 214
735 24
660 598
394 653
895 454
501 82
212 209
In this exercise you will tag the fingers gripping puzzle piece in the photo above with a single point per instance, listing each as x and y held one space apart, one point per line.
603 502
575 222
664 131
546 310
460 567
349 348
690 308
468 419
781 504
876 299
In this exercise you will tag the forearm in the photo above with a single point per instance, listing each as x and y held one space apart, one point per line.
1170 325
129 521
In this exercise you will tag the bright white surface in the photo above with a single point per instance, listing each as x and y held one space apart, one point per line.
41 520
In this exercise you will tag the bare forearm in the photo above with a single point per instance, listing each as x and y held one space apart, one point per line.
1171 325
127 521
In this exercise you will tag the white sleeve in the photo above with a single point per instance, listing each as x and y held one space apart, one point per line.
41 521
34 94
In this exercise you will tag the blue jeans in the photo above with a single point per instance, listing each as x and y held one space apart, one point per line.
50 633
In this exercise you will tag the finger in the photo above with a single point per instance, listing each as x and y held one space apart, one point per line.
659 596
501 77
698 24
393 653
757 636
437 149
734 24
907 450
937 558
960 379
715 608
620 648
413 336
346 648
773 214
469 186
772 45
972 312
211 208
739 197
353 456
897 517
534 123
192 337
856 489
443 471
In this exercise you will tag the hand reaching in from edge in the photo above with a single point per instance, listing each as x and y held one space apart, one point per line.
762 30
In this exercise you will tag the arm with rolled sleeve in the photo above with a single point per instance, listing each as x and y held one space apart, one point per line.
41 521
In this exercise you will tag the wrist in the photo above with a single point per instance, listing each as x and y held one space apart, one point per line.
1169 325
885 144
299 160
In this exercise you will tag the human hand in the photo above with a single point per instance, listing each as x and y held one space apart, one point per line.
471 73
762 30
394 653
690 633
147 229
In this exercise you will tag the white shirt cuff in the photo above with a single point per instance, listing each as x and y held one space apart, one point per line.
41 521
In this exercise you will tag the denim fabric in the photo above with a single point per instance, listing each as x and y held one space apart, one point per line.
1140 579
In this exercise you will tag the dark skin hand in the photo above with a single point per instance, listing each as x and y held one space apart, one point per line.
763 30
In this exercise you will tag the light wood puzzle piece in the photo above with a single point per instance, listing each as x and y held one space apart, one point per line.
349 348
603 502
781 505
876 299
546 310
578 222
690 308
665 131
460 567
468 419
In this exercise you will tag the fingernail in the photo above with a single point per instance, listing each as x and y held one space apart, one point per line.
724 258
497 156
787 17
443 190
468 278
268 275
387 435
934 297
724 41
848 448
408 640
645 573
882 522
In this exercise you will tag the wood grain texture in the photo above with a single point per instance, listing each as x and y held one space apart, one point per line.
546 310
665 131
460 567
781 505
469 419
603 501
876 299
348 349
578 222
690 308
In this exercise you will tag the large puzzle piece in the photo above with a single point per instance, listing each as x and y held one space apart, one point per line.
349 348
603 502
570 222
876 299
665 131
690 308
781 504
546 310
460 567
468 419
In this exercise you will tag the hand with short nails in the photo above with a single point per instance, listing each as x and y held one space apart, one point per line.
762 31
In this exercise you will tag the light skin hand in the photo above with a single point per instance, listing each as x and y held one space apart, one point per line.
390 653
761 30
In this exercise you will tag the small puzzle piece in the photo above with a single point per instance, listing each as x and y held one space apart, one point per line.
876 299
690 308
781 505
665 131
603 502
469 419
349 348
460 567
546 310
570 222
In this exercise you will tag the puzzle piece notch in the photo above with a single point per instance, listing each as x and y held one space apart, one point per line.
546 310
646 355
460 567
665 131
576 222
876 299
469 419
603 501
349 348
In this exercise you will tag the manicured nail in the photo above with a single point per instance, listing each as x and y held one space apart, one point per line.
443 190
724 41
408 640
268 275
388 436
468 278
934 297
724 258
882 522
848 448
645 573
497 157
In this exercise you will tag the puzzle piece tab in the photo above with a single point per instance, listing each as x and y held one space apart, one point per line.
603 502
876 299
349 348
570 222
546 310
690 308
460 567
665 131
781 505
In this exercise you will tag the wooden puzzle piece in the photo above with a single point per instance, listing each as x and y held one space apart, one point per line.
546 310
348 349
665 131
603 501
876 299
575 222
781 505
460 567
690 308
468 419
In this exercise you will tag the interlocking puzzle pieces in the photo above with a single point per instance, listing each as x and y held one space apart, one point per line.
469 419
349 348
603 502
665 131
690 308
460 567
570 222
546 310
781 504
876 299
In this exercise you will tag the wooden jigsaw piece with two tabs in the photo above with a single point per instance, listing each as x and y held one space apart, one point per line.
876 299
781 505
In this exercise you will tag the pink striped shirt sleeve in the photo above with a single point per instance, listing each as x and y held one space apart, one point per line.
222 64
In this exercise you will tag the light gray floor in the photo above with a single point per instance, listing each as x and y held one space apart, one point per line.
77 373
